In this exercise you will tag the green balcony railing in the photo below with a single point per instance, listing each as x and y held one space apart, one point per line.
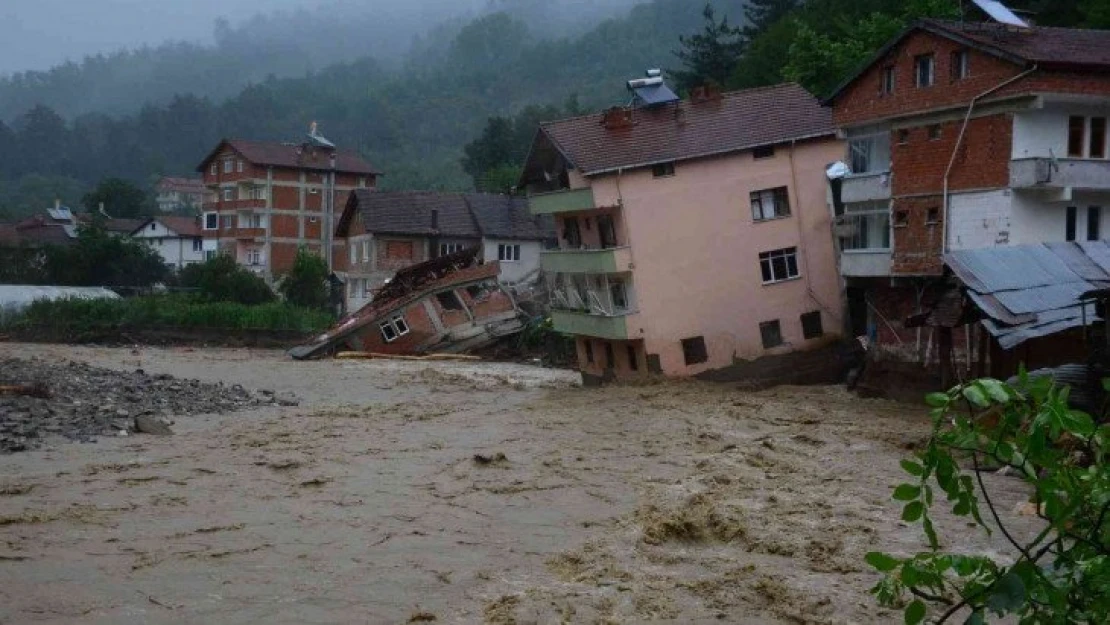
565 201
612 260
600 326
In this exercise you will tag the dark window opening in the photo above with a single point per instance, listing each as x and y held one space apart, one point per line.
771 334
934 132
571 234
932 215
770 203
903 136
610 357
1069 223
693 350
901 218
763 151
589 351
633 362
662 170
606 231
1076 130
886 85
1094 219
474 291
449 301
923 67
811 325
1098 138
961 67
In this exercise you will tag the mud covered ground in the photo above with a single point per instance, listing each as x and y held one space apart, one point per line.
464 493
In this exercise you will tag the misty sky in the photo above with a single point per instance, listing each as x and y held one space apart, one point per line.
36 34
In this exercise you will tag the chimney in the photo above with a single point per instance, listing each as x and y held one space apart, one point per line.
435 220
57 204
617 117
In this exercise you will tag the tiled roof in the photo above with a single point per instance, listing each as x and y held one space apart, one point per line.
736 121
183 226
506 217
1039 44
126 226
292 155
188 185
459 215
37 230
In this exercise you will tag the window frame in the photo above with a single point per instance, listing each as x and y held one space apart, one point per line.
353 252
397 325
239 166
763 152
959 65
663 170
228 165
513 250
779 196
211 215
769 340
694 350
924 80
1093 136
1077 143
808 321
1071 223
446 249
789 265
198 244
887 80
227 194
1094 223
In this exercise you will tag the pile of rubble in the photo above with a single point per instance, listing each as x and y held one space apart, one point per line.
40 399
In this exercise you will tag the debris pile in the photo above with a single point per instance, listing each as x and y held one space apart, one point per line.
41 399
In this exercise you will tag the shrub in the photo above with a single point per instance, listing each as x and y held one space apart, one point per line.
306 284
221 279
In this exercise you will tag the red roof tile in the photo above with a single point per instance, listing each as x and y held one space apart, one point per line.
1039 44
292 155
183 226
736 121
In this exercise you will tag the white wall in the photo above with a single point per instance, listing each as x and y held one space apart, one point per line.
1040 134
511 271
982 219
174 249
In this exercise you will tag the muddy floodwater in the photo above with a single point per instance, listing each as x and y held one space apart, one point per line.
464 493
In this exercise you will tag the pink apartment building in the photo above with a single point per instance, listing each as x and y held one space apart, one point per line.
694 235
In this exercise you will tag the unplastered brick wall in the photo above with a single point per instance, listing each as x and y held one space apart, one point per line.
918 236
920 156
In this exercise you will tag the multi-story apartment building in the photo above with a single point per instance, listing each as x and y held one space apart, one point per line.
966 135
181 194
385 231
693 235
272 198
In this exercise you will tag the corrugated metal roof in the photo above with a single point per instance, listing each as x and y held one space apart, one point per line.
1029 291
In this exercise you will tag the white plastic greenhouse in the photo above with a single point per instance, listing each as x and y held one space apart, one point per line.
16 297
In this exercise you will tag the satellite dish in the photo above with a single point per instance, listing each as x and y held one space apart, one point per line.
1000 13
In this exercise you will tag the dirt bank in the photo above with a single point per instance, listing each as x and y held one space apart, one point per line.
382 498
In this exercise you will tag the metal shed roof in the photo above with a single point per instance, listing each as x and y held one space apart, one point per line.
1029 291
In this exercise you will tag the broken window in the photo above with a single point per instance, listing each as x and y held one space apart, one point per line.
1070 217
633 362
1077 128
923 69
606 232
1097 142
449 301
763 151
693 350
662 170
1094 218
770 203
811 325
571 234
960 67
771 334
779 265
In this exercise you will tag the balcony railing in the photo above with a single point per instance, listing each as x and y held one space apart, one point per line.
564 201
584 324
608 260
1058 173
865 187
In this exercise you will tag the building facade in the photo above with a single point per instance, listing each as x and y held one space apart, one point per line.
273 198
693 235
179 240
181 194
961 136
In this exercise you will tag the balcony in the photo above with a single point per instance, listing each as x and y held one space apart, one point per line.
611 260
248 233
229 205
1060 173
564 201
601 326
865 263
865 187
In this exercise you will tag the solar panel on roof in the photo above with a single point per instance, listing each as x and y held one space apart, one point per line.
652 95
1000 13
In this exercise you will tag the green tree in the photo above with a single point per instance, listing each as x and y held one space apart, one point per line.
121 199
98 258
710 56
762 14
306 284
221 279
1061 575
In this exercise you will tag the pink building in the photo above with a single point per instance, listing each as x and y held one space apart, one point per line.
694 235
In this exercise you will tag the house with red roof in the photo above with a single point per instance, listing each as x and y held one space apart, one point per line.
694 235
966 135
272 198
179 240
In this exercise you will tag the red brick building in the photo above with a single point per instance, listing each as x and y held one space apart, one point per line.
962 136
272 198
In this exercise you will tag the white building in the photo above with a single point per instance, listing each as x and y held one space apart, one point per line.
179 240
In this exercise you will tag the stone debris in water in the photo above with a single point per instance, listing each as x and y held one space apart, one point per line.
82 402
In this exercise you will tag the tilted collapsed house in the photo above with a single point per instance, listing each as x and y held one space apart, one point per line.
694 235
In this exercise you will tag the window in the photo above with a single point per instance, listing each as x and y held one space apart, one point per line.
227 166
1076 129
571 234
589 351
255 221
209 254
449 248
770 203
449 301
633 362
239 166
254 257
811 325
903 136
870 223
229 194
508 253
771 334
394 328
618 294
153 226
763 151
1097 141
693 350
362 182
354 252
212 169
901 219
886 81
365 287
932 216
610 357
227 221
779 265
1069 223
606 232
869 153
366 251
1094 218
923 67
934 132
198 245
662 170
960 67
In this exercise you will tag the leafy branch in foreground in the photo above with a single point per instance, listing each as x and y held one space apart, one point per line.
1062 574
